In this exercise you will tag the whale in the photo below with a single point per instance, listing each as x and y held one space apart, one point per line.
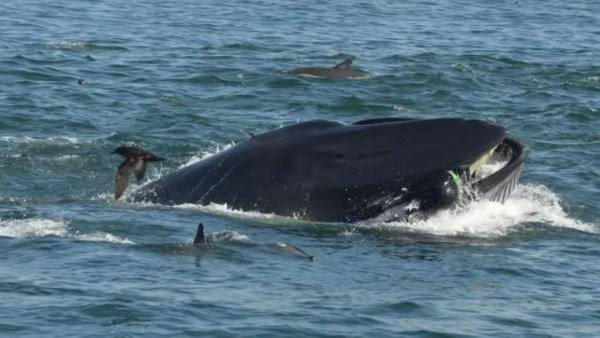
340 71
327 171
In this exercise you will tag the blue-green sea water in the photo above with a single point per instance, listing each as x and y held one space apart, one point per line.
186 79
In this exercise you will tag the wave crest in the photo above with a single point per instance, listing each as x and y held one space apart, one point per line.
487 219
36 227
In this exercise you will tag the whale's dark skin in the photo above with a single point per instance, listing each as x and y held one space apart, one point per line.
341 71
327 171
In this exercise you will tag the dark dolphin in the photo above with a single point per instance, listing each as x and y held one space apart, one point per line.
280 247
327 171
340 71
200 239
135 161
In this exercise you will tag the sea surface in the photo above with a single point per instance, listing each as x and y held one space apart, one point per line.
188 78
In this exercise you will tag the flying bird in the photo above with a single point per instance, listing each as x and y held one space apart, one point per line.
135 161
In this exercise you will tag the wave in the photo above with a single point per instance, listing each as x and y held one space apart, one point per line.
37 227
52 139
217 148
487 219
227 236
82 45
68 157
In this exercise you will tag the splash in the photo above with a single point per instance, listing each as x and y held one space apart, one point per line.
67 157
102 237
227 236
483 219
217 148
152 174
36 227
156 173
32 228
477 219
486 219
225 210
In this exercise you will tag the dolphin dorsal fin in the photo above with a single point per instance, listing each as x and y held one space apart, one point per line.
200 239
344 65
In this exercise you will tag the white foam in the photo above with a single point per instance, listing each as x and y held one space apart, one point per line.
29 139
227 236
486 219
32 228
224 209
217 148
102 237
482 219
67 157
36 227
155 174
8 199
592 79
67 45
104 196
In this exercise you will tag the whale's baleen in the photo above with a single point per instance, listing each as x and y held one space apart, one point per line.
340 71
135 161
328 171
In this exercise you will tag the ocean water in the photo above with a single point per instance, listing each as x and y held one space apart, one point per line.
187 79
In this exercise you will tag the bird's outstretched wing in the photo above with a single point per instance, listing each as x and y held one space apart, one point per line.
135 162
122 177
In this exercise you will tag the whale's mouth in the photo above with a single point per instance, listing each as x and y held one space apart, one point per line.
496 174
492 175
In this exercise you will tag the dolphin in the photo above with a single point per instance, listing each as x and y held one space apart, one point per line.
200 239
340 71
280 247
135 161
